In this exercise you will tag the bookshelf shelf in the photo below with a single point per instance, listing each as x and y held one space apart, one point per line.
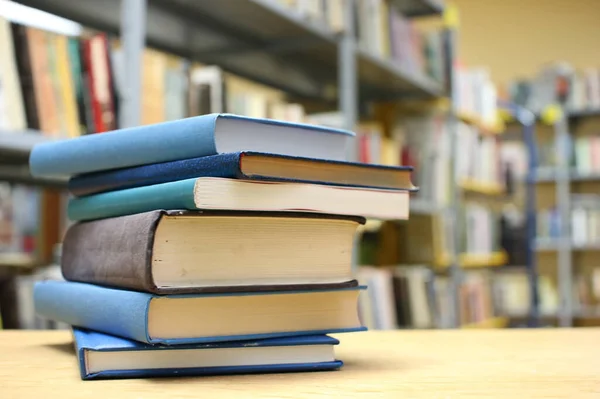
483 188
494 322
473 261
384 79
18 260
260 40
552 245
484 128
247 34
549 175
15 147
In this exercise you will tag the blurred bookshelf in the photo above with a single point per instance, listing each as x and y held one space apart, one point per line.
363 65
566 101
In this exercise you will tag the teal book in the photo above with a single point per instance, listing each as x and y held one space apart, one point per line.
207 193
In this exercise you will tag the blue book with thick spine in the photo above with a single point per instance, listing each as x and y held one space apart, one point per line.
103 356
187 319
182 139
246 165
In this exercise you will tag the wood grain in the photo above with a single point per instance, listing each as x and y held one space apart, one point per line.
398 364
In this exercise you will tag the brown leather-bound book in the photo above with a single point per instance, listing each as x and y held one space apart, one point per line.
166 252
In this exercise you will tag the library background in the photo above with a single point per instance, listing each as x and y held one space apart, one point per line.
496 104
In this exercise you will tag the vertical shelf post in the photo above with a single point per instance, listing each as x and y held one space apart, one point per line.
347 73
563 200
455 191
133 34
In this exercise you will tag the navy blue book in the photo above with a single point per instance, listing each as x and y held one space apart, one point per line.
246 165
190 319
103 356
185 138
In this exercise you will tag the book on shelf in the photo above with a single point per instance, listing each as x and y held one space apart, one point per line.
584 222
105 356
586 157
559 83
476 299
385 33
475 95
398 297
481 232
67 86
483 165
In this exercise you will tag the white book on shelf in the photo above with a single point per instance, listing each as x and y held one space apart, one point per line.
12 112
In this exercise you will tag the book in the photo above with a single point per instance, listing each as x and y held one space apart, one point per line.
246 165
12 112
181 319
248 195
186 138
103 356
251 251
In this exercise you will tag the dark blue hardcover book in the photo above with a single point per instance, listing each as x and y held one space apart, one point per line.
247 165
202 318
185 138
103 356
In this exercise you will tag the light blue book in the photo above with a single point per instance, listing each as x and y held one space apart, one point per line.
185 138
198 318
103 356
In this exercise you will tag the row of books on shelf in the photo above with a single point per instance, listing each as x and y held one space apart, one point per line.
414 297
476 96
583 154
584 221
559 83
382 31
69 86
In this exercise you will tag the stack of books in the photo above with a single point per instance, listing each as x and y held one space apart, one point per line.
212 245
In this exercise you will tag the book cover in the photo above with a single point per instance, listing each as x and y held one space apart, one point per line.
145 361
119 252
126 313
183 139
228 165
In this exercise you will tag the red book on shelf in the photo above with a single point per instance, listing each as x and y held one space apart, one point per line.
364 150
95 50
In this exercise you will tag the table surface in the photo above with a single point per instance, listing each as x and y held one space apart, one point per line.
397 364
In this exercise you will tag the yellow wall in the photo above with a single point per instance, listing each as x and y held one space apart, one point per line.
515 37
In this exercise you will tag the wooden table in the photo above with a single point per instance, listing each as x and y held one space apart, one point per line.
399 364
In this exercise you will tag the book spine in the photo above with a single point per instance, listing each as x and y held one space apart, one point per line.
111 311
222 165
173 195
22 52
114 252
